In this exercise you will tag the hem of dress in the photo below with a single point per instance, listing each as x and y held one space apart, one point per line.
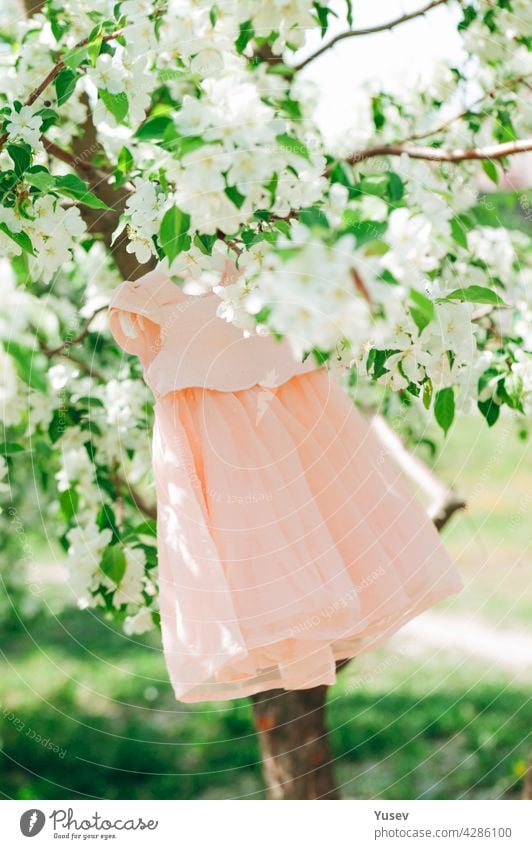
329 679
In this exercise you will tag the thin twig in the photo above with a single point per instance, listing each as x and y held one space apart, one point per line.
360 286
487 94
85 328
69 355
353 33
436 154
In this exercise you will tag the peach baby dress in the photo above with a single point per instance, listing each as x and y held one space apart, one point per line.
286 540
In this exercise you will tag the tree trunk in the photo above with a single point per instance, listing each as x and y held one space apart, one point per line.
294 743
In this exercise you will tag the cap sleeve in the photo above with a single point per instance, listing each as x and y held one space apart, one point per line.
134 319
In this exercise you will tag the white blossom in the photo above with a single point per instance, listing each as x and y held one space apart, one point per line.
25 126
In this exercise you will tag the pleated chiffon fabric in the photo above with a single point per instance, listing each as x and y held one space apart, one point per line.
287 538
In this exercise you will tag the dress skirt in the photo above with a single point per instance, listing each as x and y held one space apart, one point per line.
287 538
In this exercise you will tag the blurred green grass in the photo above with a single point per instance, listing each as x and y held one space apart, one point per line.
492 540
402 727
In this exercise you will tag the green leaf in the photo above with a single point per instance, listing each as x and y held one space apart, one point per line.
396 187
313 217
40 178
349 13
320 357
271 187
490 169
154 128
488 379
205 242
71 186
124 165
376 362
173 235
323 13
283 227
291 108
21 156
234 196
28 366
293 145
65 83
147 528
69 501
363 231
423 309
281 70
504 128
125 160
94 47
48 118
90 401
58 27
10 448
474 295
510 390
458 232
379 118
490 410
73 58
181 145
377 184
444 408
107 519
117 104
427 393
62 419
470 13
245 35
113 563
21 239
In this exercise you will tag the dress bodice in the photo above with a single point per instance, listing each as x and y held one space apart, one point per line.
183 343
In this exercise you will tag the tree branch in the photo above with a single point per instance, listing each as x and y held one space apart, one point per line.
66 354
508 84
68 343
143 506
444 501
354 33
435 154
102 224
360 286
75 162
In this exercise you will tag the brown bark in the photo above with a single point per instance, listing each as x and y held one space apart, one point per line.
293 736
33 6
294 744
438 154
99 223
